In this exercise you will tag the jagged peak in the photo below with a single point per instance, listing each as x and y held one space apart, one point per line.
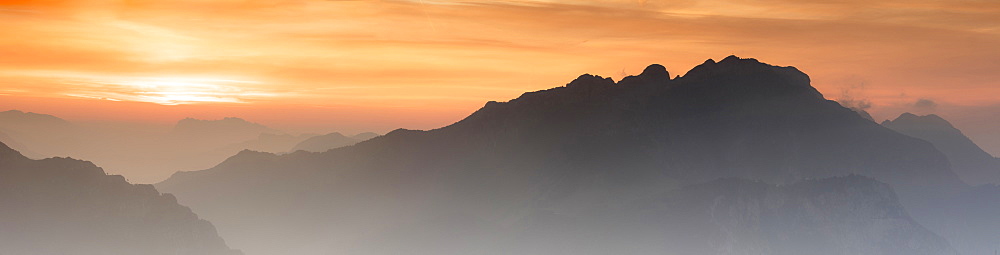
590 81
653 74
736 65
655 71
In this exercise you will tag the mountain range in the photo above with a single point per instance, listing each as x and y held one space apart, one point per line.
144 153
69 206
331 141
971 163
733 157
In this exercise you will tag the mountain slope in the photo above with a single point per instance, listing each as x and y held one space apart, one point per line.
969 218
839 215
970 162
68 206
590 148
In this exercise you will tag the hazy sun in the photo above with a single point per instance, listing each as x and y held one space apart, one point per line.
170 90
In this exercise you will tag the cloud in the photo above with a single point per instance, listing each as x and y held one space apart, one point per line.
925 104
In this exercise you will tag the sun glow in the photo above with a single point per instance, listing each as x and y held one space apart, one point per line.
169 90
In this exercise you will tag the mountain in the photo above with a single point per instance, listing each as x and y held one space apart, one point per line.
968 218
331 141
971 163
68 206
144 153
589 150
838 215
47 134
266 142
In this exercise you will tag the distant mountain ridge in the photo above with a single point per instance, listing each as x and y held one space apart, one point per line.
48 135
593 149
145 153
68 206
331 141
970 162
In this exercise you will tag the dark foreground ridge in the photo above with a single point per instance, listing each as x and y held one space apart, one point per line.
574 168
68 206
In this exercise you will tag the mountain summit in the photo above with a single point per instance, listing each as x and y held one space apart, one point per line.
560 163
970 162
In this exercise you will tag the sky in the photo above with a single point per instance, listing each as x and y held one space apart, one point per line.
354 66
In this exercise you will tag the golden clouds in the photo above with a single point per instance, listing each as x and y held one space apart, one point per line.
447 58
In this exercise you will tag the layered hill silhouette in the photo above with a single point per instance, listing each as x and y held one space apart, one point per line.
69 206
331 141
556 165
48 135
144 153
971 163
970 217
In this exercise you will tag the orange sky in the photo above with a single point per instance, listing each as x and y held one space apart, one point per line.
354 66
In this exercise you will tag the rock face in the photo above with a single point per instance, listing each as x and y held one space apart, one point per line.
68 206
971 163
593 150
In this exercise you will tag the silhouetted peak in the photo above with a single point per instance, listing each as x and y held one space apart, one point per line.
735 65
590 81
336 134
402 132
753 75
247 152
653 74
734 58
916 121
655 71
30 116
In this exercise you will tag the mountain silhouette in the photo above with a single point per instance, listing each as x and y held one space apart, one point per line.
331 141
970 162
968 219
267 142
48 135
69 206
591 150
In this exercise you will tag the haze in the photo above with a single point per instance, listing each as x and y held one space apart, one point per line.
584 127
